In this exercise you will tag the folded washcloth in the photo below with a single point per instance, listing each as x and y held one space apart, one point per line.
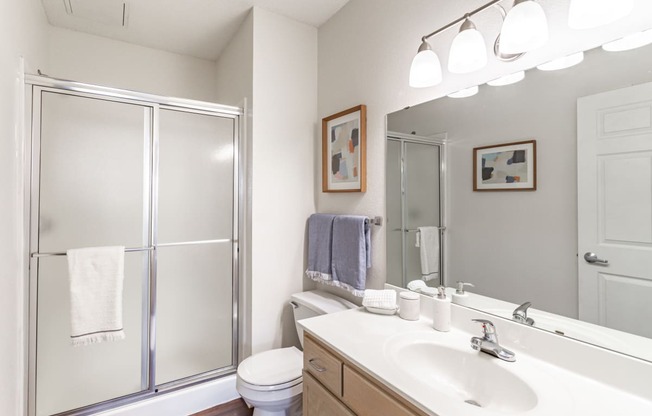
381 299
320 241
351 252
96 281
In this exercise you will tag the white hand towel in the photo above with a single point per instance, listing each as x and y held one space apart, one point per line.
428 243
381 299
96 281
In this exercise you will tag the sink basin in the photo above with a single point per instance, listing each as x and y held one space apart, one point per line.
462 375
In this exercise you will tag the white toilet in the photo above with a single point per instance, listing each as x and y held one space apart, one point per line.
271 381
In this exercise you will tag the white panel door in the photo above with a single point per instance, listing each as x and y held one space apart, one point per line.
614 155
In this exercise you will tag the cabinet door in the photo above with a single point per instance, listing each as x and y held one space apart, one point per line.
317 401
367 399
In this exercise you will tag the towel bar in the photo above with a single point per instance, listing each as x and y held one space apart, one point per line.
411 230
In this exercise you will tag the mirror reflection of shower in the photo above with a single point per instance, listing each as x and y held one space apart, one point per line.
415 213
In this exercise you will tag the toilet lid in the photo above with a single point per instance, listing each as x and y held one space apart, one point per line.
272 367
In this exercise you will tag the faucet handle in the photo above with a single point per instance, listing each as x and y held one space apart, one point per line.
487 326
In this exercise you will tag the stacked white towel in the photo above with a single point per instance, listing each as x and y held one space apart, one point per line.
379 299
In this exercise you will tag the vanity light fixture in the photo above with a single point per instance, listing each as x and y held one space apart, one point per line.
563 62
466 92
525 28
468 51
426 68
507 79
627 43
587 14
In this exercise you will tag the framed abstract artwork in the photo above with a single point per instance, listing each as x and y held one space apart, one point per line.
505 167
344 151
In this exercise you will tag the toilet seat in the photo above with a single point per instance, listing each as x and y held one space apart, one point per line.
272 370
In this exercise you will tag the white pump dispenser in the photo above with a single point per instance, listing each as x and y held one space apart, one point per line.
441 316
460 297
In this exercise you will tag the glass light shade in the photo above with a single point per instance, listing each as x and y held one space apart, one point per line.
426 68
563 62
525 28
467 92
632 41
507 79
468 52
587 14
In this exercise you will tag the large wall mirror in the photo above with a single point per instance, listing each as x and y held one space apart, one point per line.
592 124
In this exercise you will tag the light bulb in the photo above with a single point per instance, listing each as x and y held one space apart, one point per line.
633 41
426 68
587 14
525 28
467 92
468 52
507 79
563 62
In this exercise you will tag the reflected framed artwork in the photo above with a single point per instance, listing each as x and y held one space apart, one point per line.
344 151
505 167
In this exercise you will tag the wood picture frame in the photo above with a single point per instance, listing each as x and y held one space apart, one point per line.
505 167
344 151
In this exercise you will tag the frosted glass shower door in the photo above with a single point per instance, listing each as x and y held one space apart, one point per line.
93 179
195 248
422 198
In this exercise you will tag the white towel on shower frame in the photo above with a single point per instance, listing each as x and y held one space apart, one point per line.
96 282
428 243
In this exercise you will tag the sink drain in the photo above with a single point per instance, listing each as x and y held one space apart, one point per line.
472 402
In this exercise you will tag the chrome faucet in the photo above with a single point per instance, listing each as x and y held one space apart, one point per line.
489 342
520 314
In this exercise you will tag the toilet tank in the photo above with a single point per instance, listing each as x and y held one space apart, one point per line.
315 303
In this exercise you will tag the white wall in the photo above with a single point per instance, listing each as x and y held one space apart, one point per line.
284 111
365 52
234 86
97 60
22 33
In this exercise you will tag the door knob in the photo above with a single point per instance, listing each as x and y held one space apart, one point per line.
593 258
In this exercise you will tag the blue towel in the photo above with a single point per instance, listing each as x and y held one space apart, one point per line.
320 240
351 255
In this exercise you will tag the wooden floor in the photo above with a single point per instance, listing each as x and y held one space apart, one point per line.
233 408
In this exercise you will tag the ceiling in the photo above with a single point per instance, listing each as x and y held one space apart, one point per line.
199 28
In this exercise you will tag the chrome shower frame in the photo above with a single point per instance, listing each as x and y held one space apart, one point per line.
35 85
402 139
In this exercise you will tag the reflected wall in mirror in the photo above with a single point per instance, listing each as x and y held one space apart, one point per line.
517 247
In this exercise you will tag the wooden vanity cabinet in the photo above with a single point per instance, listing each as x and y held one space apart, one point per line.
333 386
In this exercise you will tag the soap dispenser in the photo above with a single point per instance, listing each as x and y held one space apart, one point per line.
441 317
460 297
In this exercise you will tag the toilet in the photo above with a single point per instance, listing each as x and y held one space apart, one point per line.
271 381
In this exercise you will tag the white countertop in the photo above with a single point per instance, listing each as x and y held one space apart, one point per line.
363 337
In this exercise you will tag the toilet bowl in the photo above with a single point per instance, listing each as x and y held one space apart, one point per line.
271 381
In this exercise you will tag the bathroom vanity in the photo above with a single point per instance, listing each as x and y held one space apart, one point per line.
335 386
358 363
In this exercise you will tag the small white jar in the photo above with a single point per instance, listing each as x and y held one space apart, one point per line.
409 306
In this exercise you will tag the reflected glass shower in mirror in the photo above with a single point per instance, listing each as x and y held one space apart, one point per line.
414 195
525 246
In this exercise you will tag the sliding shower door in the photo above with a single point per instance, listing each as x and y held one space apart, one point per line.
194 331
93 187
161 180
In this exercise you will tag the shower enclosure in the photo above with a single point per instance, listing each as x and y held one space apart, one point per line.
415 184
161 177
